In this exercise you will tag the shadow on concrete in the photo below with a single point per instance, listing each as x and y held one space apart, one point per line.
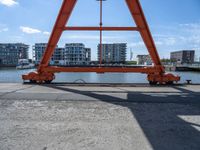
159 116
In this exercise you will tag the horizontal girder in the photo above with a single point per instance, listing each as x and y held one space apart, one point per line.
101 69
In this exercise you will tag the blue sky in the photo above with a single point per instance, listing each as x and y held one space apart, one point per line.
175 24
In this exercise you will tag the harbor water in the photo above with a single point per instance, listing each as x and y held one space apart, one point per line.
11 75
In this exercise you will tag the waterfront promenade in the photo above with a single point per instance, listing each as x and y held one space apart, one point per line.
98 117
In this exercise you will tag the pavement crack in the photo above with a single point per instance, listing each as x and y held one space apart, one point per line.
14 91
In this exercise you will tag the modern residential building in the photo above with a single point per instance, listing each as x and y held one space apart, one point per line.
144 60
88 55
39 49
113 53
77 54
183 57
58 57
10 53
71 54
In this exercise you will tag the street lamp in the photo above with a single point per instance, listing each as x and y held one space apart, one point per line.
101 24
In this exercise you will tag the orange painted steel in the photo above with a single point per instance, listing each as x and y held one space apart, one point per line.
102 69
62 19
140 20
156 74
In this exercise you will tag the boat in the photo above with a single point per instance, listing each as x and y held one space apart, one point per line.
24 64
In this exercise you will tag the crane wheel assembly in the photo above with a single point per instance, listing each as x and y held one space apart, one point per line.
155 74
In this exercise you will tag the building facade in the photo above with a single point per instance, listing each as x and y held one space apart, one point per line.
10 53
113 53
58 57
71 54
144 60
38 52
77 54
88 55
183 57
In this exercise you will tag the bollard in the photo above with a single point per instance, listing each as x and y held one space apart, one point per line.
188 81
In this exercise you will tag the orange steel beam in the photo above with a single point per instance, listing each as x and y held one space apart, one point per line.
140 20
54 69
62 19
101 28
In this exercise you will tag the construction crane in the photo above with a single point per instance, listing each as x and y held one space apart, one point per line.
155 74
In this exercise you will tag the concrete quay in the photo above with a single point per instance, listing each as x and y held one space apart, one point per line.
99 117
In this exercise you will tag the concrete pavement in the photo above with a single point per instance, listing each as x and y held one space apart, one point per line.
59 116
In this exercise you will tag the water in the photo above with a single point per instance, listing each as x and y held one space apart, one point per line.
11 75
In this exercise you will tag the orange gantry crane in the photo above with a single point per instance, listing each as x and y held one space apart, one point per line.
155 74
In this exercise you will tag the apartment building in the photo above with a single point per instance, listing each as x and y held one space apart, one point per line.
38 52
183 57
71 54
10 53
144 60
113 53
77 54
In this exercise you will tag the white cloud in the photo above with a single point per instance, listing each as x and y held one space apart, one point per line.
8 3
4 30
178 37
159 43
46 33
192 31
170 41
181 34
29 30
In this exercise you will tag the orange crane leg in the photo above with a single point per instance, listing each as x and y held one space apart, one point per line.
156 74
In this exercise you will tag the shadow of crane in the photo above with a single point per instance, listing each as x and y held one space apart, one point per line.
160 122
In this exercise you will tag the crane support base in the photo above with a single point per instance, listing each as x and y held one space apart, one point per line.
153 73
35 77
